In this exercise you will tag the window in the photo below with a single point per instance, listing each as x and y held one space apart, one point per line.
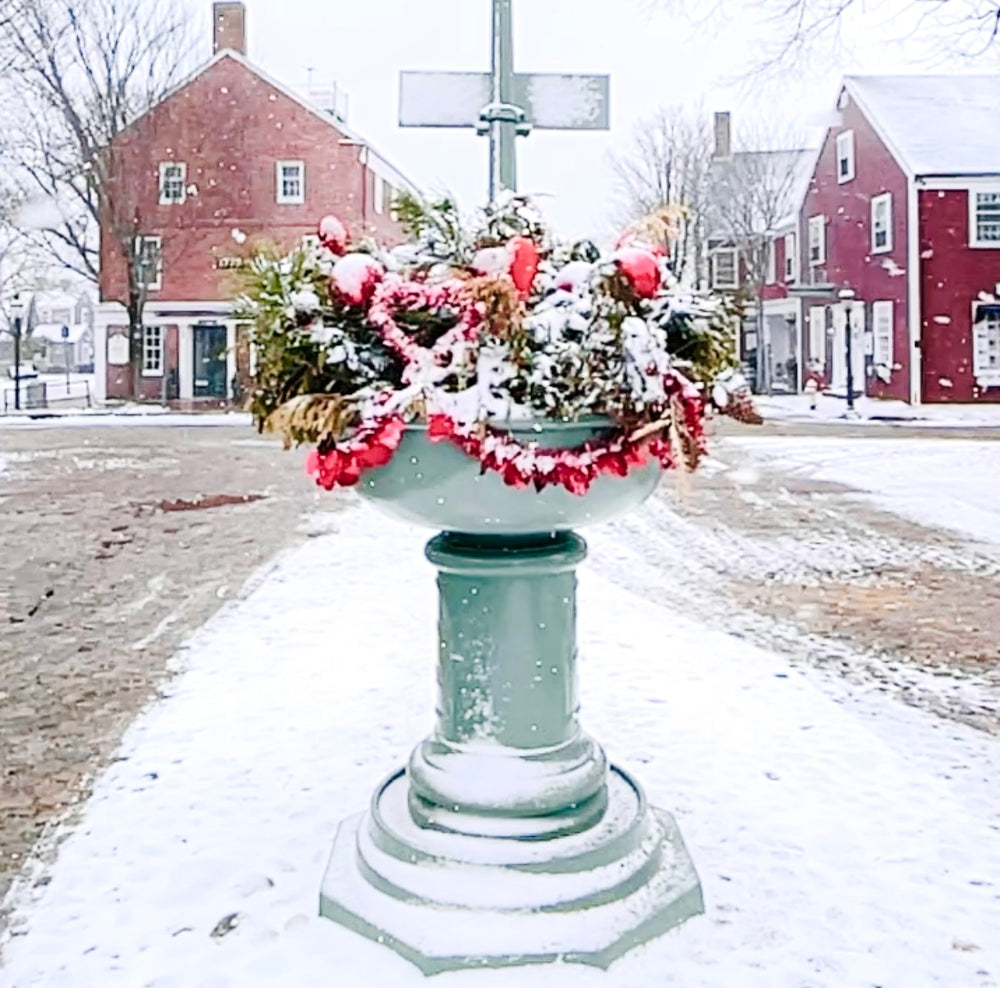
152 351
882 327
291 182
882 223
845 156
379 196
984 219
770 272
817 240
149 262
724 268
986 346
817 334
791 258
173 179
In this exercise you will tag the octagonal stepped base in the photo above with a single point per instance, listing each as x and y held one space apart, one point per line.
445 897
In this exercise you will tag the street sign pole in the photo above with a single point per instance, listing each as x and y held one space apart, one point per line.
503 153
502 104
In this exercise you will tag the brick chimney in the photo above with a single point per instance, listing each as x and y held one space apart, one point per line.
229 26
723 136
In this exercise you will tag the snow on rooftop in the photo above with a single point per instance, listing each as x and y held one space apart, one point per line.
53 332
936 124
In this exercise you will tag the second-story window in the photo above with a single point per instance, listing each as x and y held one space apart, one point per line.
791 258
290 177
817 240
173 179
724 268
149 262
984 218
845 156
770 267
882 223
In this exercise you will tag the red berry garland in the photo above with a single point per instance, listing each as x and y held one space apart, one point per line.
371 446
519 465
394 296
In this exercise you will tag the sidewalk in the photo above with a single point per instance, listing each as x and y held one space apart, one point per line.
841 843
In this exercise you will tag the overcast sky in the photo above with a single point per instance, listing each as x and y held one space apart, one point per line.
653 59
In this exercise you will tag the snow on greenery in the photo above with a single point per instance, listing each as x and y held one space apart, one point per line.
488 319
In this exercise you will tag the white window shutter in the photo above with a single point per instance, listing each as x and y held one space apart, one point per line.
882 332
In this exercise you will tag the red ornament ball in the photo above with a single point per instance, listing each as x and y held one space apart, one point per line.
355 277
641 268
524 264
333 235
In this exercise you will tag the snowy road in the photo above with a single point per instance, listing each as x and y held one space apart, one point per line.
843 842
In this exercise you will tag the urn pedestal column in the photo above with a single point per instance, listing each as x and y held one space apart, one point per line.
508 839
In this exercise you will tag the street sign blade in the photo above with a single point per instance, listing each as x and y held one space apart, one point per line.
565 102
442 99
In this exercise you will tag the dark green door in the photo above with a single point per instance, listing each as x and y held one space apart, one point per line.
210 362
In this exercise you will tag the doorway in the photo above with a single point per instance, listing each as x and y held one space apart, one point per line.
210 362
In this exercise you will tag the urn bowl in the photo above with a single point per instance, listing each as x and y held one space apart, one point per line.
436 485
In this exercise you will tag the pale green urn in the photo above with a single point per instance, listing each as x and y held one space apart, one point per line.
507 839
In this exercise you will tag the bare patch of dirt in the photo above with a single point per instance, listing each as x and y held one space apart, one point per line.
108 565
929 616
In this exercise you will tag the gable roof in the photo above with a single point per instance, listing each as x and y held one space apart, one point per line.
784 173
376 161
934 124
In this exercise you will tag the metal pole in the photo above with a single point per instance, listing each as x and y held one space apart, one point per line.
850 358
17 363
503 160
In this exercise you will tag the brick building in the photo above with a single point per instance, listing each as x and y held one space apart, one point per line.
903 211
228 160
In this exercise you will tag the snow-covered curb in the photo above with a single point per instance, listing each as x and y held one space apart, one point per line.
871 411
124 418
832 855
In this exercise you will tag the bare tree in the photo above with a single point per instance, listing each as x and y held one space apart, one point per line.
753 193
667 168
80 72
967 28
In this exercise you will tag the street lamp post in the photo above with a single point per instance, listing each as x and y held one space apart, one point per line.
847 295
17 311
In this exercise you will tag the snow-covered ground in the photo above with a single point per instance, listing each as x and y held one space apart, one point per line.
947 483
136 416
842 843
828 407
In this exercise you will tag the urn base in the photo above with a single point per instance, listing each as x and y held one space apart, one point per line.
459 894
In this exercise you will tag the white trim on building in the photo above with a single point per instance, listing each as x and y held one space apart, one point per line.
186 316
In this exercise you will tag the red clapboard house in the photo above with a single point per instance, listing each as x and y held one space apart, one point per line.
227 160
903 210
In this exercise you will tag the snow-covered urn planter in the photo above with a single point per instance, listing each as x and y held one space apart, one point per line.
503 391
